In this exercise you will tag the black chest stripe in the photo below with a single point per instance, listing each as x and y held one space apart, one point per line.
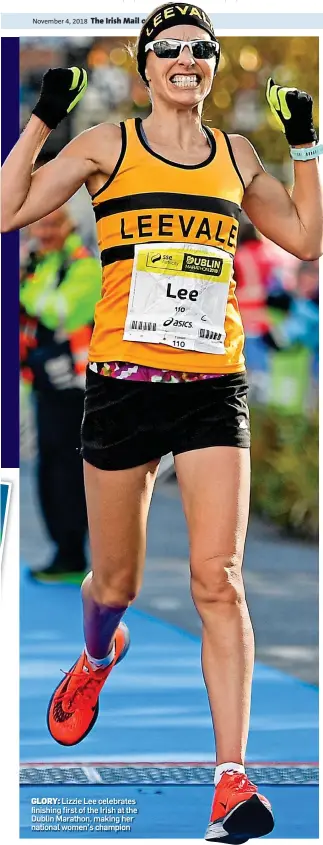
180 202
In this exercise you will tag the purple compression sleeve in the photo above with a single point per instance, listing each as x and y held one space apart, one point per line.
100 623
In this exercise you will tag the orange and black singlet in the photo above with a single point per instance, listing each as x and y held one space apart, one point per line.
167 234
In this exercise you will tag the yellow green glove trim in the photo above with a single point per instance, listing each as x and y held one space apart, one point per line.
76 77
292 110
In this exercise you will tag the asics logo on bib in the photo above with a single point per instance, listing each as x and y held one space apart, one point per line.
184 324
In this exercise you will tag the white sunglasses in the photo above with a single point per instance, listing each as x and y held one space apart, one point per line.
170 48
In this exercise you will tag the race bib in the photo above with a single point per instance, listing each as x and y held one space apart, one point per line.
178 296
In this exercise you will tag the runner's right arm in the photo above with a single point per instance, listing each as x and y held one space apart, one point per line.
28 196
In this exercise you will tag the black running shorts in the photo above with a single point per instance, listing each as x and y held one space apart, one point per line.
129 423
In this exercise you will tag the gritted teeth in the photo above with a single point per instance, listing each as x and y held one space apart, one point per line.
185 80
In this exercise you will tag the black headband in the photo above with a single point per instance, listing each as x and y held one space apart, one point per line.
164 17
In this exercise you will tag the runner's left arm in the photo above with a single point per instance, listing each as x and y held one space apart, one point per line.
293 221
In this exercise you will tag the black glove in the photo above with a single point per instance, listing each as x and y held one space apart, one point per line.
61 89
293 111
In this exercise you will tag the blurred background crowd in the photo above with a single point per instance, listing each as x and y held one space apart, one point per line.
277 293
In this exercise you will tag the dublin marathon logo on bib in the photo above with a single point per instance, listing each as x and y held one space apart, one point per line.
178 296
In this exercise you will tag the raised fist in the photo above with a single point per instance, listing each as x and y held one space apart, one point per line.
62 88
293 111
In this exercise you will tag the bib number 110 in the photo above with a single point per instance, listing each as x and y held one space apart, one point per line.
180 343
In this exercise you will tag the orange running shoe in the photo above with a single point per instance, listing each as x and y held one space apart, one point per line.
74 706
238 811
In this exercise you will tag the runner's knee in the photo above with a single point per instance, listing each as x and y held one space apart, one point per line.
115 588
217 579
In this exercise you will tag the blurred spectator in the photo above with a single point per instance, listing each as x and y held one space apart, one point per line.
60 285
254 265
297 314
308 281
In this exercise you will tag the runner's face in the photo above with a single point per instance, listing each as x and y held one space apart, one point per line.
167 77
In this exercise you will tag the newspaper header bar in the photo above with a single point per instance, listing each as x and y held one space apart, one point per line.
130 20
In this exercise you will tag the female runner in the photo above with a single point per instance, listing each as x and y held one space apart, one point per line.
166 369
